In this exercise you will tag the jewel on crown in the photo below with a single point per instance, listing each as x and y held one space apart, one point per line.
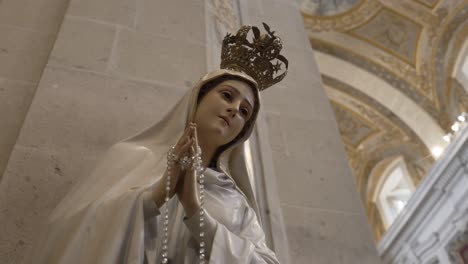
260 59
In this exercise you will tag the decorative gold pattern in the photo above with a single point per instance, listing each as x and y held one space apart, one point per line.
345 21
391 32
328 8
440 63
353 128
416 45
428 3
431 20
421 80
382 72
390 138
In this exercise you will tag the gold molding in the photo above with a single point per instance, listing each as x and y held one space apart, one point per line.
428 5
350 19
437 43
375 130
412 60
384 67
459 39
340 15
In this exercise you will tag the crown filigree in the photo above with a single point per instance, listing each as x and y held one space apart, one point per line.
260 59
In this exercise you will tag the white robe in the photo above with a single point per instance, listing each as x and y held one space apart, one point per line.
232 231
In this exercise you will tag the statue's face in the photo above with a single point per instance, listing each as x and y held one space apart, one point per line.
223 111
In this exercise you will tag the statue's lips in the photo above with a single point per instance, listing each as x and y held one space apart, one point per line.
225 119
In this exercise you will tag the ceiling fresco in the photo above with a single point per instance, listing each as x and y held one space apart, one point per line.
413 46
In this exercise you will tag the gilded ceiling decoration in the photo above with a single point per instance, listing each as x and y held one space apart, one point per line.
390 31
400 83
446 50
383 134
410 44
353 128
428 3
328 7
417 43
353 17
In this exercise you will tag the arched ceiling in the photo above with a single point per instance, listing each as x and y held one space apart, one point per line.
391 71
328 7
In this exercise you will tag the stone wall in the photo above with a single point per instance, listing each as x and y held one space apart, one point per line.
118 66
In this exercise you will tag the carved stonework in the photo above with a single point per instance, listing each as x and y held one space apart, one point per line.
382 72
428 3
344 21
328 8
440 64
412 45
372 133
457 249
421 80
226 18
391 32
460 96
352 127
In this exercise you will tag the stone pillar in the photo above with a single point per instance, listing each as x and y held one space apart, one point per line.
28 29
118 66
325 220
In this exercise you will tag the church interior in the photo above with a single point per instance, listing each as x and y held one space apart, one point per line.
359 157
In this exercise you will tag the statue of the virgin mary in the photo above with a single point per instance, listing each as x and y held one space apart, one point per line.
132 209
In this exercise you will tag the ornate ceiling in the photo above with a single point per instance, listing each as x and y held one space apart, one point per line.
413 46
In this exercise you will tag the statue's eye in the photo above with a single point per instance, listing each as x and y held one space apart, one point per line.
245 111
227 95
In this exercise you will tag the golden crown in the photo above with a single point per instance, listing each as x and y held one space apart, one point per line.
260 59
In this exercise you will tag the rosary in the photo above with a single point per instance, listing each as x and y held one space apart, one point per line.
195 162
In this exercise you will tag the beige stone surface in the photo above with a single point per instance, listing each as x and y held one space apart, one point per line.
15 97
35 180
36 15
94 49
176 19
91 111
120 12
307 160
327 236
23 53
74 118
158 59
27 32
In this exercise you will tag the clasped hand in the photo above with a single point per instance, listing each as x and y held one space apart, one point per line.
183 180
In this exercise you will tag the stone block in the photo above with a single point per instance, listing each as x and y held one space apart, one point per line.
15 98
120 12
177 19
90 112
83 45
159 59
23 53
38 15
34 182
313 164
325 236
306 104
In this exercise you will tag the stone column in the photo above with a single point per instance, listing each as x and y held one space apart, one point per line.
116 67
324 218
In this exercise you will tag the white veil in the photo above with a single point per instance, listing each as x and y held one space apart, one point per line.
107 205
